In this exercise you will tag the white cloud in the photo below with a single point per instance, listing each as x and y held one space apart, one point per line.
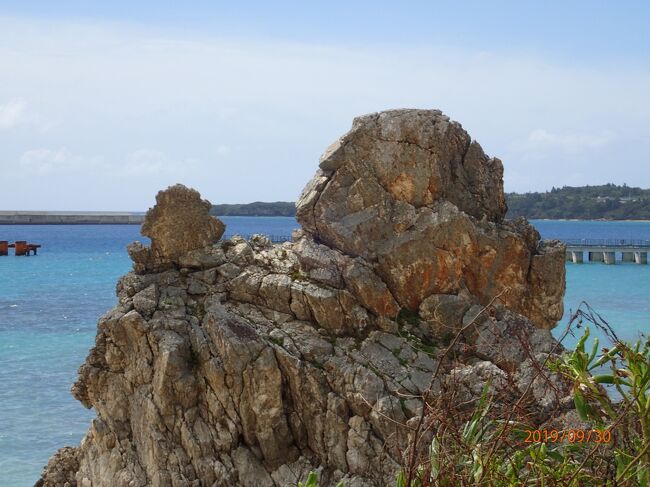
49 161
247 120
12 114
569 143
222 150
542 144
144 162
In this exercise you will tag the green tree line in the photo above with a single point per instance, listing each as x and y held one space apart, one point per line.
606 201
258 208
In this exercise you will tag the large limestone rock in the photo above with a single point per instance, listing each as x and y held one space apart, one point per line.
409 191
415 157
244 363
179 223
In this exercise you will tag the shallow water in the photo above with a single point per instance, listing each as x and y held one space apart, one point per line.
49 306
619 293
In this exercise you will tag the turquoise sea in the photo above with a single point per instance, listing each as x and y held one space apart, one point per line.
49 306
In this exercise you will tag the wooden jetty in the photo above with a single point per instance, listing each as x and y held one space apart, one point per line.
607 250
21 247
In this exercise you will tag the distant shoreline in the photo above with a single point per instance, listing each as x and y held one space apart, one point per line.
70 218
137 218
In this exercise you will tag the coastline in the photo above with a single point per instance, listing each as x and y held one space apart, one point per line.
20 217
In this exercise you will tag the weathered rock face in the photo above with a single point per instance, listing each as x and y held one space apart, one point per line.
179 223
410 192
247 363
415 157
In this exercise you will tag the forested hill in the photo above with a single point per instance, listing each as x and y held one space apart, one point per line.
607 201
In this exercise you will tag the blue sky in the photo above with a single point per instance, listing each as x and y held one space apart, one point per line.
104 103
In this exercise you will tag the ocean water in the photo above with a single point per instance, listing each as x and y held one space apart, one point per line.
619 293
49 306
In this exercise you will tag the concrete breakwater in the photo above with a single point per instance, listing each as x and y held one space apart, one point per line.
70 218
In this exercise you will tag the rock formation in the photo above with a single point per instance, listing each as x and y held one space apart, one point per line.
411 193
247 363
179 223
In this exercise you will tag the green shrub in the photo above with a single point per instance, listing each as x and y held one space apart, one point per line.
480 454
627 376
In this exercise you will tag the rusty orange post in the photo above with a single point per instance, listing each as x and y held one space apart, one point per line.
21 247
4 247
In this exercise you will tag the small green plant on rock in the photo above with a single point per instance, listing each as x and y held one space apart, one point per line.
408 317
296 274
312 481
418 343
397 354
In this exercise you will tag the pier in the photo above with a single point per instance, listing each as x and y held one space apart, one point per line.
21 247
607 250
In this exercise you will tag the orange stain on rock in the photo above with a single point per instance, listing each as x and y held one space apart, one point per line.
402 188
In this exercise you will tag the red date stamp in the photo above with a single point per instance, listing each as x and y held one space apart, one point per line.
571 436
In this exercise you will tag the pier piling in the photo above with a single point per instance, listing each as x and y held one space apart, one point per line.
4 247
21 247
628 257
596 257
577 256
